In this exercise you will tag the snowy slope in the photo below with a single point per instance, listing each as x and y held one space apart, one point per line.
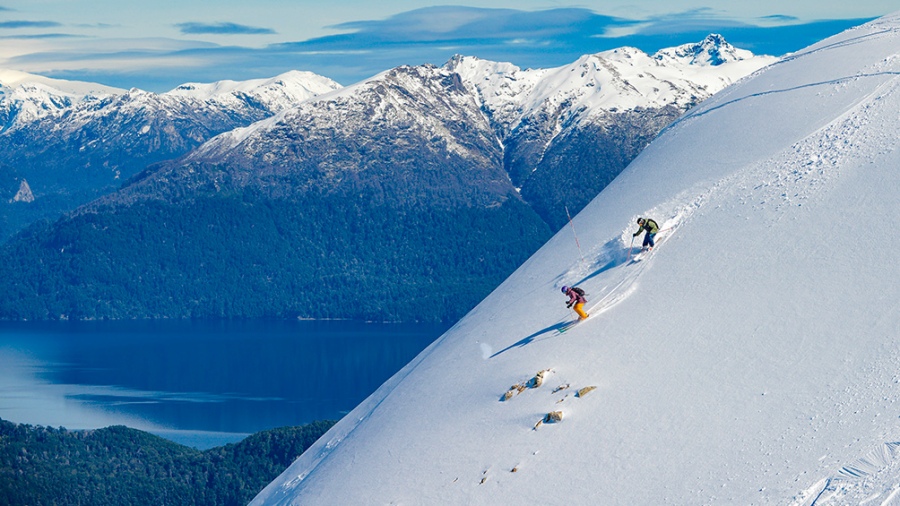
752 359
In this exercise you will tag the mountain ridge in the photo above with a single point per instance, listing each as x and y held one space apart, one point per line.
74 146
418 178
96 137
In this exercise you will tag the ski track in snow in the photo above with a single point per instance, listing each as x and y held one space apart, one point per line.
860 482
811 164
610 272
873 478
807 168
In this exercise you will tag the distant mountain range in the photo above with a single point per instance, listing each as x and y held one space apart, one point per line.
407 196
73 142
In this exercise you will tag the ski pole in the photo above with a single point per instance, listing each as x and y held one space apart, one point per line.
573 233
630 248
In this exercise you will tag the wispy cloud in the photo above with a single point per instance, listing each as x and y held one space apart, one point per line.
703 19
536 39
556 34
221 29
465 23
37 36
29 24
544 38
96 25
780 18
433 34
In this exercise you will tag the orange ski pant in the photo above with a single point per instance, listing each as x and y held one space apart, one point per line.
579 308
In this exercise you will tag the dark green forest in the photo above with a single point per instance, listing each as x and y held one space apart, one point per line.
240 256
119 466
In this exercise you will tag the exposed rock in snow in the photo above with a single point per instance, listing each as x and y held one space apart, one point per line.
538 379
586 390
553 417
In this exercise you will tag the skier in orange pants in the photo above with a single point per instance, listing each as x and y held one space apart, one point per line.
576 298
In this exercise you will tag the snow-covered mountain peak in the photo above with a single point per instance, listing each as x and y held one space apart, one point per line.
278 93
622 79
27 97
471 67
751 358
34 98
622 54
10 79
554 101
404 95
711 51
627 78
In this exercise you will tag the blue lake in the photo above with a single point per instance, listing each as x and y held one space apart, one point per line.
199 383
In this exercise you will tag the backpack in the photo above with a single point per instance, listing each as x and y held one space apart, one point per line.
577 290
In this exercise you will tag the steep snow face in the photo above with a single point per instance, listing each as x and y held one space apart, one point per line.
751 358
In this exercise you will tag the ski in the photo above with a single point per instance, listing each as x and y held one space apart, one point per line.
641 255
571 324
567 326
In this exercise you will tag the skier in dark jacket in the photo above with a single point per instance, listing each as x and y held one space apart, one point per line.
576 298
649 225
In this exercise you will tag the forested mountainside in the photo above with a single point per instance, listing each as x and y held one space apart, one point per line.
408 196
118 465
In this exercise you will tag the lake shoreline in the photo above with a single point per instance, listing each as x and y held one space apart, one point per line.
203 383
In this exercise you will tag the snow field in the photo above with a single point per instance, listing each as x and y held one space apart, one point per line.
751 359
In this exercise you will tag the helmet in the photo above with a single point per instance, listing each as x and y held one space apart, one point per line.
640 221
565 289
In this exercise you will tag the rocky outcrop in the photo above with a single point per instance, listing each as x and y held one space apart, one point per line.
24 194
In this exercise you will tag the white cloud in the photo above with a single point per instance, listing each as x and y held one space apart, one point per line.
115 51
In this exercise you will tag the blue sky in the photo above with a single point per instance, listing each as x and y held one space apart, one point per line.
156 45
